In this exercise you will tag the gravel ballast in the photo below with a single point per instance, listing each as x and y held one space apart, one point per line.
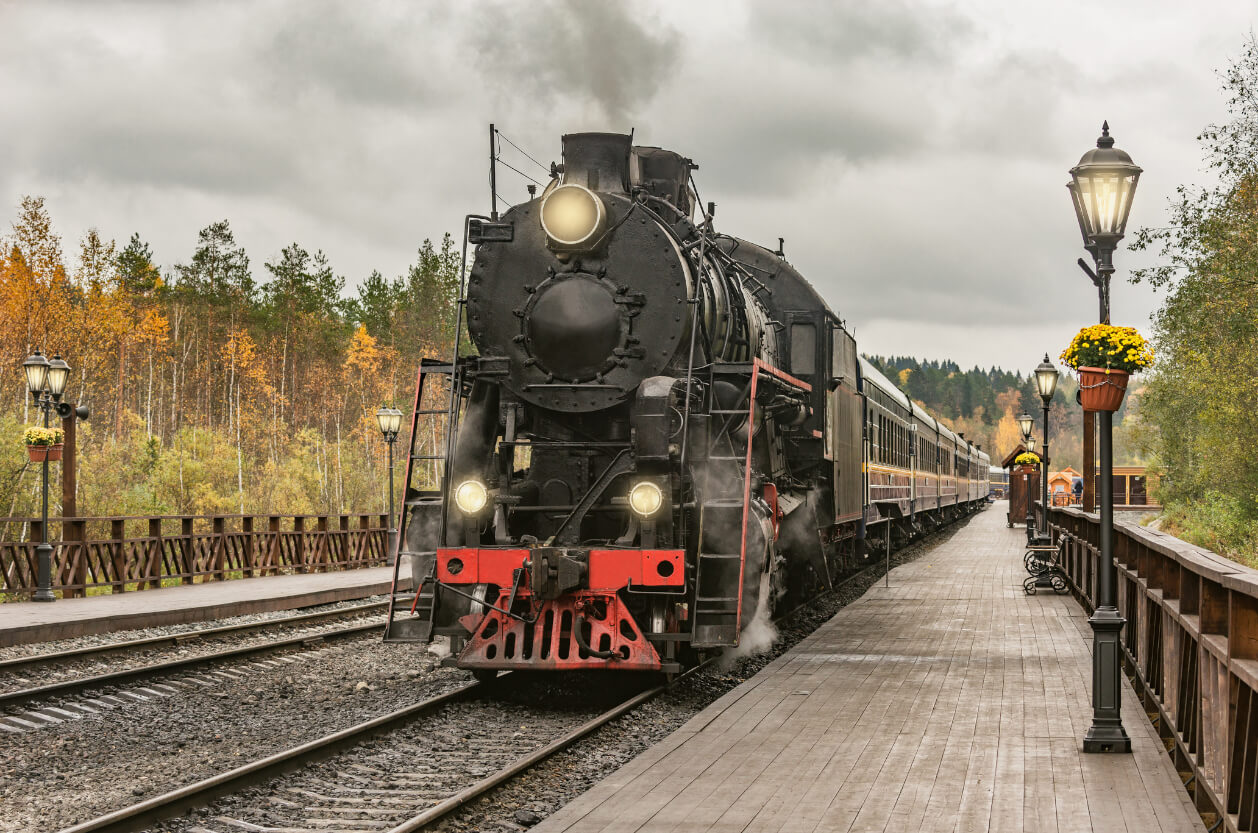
74 668
103 639
77 769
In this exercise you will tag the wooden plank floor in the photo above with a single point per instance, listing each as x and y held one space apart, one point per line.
949 701
22 622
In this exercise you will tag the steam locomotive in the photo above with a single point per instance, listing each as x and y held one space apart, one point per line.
663 433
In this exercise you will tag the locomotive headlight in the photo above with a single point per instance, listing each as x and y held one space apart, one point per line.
646 498
471 497
573 216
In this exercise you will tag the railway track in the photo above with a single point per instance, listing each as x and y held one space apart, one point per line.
403 785
78 685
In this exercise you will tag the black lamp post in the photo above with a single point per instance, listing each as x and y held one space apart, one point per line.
1046 382
46 381
390 422
1102 186
1025 424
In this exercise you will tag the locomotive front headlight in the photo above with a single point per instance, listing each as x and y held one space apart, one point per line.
471 497
573 216
646 498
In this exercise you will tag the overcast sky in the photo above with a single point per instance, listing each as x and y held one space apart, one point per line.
913 154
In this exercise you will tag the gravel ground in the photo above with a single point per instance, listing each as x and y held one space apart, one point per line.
75 668
429 759
81 768
95 640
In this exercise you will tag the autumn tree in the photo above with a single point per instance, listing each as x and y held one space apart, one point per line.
1203 393
210 393
218 288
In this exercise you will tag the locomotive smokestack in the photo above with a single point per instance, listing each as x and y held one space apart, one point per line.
599 161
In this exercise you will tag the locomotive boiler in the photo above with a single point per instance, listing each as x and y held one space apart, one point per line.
657 433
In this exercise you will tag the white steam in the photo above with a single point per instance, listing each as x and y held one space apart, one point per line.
439 647
760 633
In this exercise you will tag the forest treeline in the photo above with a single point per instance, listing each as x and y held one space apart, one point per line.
1201 405
215 386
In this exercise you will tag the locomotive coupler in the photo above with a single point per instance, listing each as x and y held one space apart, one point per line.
556 570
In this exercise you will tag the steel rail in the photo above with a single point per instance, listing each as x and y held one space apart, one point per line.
144 672
34 660
146 813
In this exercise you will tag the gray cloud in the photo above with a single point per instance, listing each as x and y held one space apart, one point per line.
841 32
912 155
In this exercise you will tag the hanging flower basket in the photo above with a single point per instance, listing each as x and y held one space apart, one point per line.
1026 469
1105 357
44 443
1102 389
39 452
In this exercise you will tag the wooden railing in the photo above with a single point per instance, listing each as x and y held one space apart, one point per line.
1191 650
117 554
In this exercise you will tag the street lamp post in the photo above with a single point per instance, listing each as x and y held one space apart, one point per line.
1025 424
1031 532
46 381
1101 188
1046 383
390 422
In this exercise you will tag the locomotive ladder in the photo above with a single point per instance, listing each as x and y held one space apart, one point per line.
717 617
411 602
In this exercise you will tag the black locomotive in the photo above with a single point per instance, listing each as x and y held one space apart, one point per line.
663 433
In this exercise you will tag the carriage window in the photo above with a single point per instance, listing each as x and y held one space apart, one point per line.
803 349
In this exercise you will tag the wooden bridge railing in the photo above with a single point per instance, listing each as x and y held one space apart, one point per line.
117 554
1191 649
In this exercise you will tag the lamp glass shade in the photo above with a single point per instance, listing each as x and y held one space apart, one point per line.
1104 183
1046 379
395 420
1030 444
382 419
36 369
1026 422
58 375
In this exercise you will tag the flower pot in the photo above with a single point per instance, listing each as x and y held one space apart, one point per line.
1101 389
39 452
1025 469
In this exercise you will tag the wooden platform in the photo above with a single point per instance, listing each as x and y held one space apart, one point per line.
947 702
22 622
